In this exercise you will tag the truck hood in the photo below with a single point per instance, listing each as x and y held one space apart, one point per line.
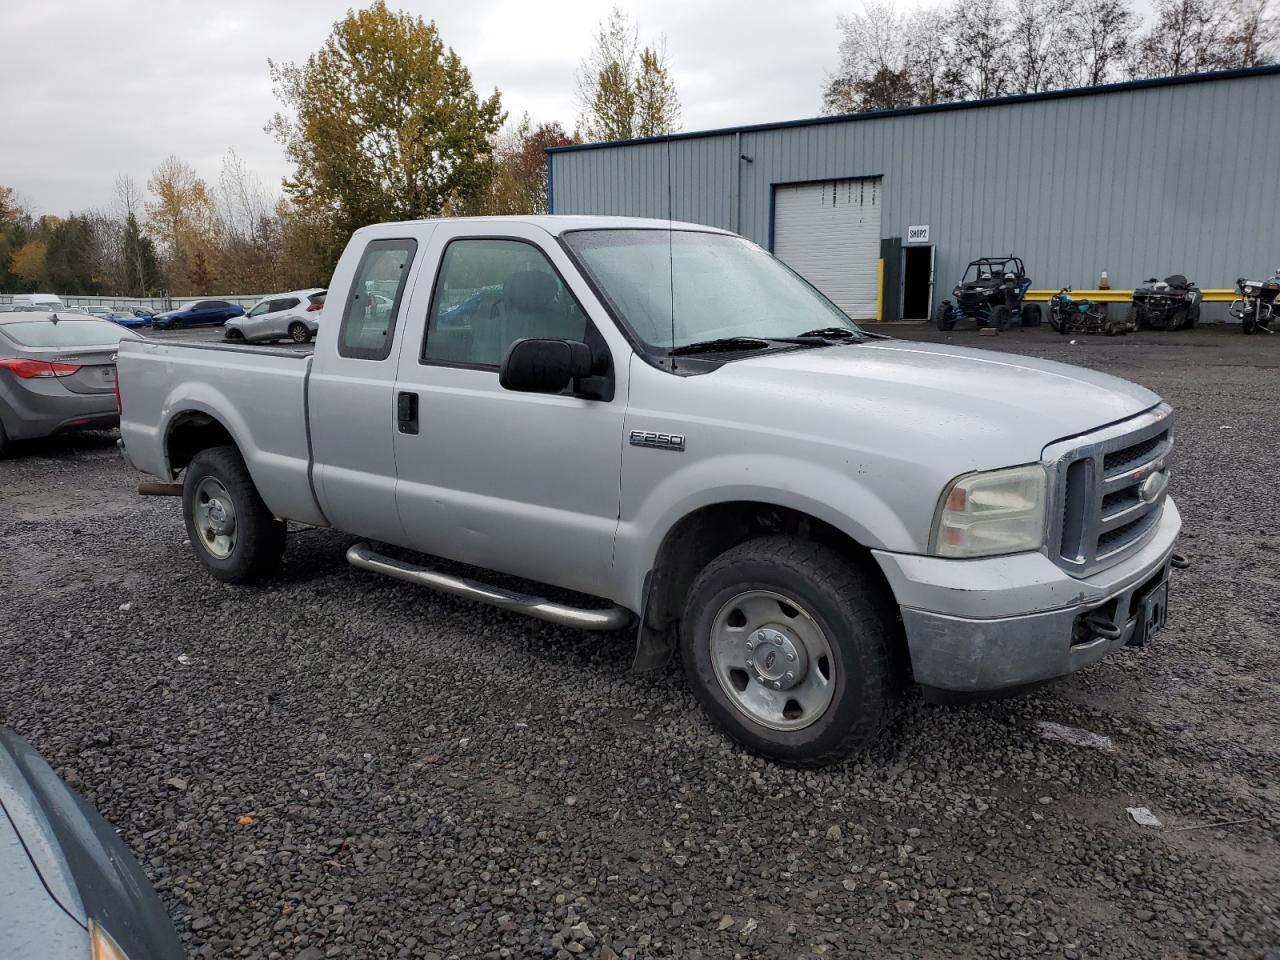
988 409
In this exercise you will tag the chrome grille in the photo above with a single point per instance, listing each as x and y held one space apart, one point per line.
1102 518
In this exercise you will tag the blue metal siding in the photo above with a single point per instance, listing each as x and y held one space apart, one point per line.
1136 181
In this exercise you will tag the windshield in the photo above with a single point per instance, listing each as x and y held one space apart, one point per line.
717 285
66 333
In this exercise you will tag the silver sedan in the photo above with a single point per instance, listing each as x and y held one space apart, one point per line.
57 373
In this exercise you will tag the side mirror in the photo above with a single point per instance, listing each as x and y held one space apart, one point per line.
544 366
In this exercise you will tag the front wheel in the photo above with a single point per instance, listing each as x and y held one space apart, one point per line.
942 317
1247 323
231 530
1001 316
788 647
298 332
175 325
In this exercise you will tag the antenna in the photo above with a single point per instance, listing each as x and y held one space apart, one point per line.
671 257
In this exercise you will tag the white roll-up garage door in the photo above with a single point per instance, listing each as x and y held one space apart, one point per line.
829 233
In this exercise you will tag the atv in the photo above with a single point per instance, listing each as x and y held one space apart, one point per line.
990 293
1256 306
1069 315
1169 304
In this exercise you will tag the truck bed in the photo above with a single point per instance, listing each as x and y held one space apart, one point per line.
258 394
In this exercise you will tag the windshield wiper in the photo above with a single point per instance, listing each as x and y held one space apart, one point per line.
720 345
823 336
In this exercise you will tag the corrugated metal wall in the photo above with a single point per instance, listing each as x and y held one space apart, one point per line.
1137 182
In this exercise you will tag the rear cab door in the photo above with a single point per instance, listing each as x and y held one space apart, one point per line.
351 389
523 483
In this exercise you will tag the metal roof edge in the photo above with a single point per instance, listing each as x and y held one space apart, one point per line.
1155 82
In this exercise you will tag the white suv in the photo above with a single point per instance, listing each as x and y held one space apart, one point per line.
294 316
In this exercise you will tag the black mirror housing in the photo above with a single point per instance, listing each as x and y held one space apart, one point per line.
544 366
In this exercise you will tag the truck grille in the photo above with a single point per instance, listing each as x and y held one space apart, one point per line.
1102 516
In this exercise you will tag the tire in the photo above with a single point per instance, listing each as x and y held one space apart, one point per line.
4 442
1031 315
1138 318
253 544
1247 324
1001 316
1178 319
1193 315
298 332
942 317
234 336
175 325
834 603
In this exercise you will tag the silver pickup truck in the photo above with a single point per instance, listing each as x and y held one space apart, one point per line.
669 423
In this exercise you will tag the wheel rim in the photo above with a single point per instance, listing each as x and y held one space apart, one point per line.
298 332
215 517
772 660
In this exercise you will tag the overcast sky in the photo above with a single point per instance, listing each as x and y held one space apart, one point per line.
92 89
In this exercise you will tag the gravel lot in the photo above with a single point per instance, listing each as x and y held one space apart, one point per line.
338 765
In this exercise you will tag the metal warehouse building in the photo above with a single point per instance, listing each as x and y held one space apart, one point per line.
1150 178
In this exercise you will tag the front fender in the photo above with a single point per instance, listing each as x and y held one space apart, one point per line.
807 487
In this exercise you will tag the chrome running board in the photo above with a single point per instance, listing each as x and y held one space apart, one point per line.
362 555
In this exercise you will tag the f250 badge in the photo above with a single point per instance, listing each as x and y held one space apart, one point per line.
658 441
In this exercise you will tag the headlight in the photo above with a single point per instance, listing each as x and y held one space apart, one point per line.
990 513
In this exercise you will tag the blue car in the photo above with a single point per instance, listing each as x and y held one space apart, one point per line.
126 318
201 313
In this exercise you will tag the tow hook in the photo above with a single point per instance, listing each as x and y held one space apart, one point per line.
1102 627
1179 562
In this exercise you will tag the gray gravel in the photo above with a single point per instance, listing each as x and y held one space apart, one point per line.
337 765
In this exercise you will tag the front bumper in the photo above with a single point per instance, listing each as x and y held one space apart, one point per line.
979 626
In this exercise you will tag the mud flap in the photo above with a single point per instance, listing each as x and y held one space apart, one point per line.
654 644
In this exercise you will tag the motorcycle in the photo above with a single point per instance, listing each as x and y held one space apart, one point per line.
1069 315
1256 306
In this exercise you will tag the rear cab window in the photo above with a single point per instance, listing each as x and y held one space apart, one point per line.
373 303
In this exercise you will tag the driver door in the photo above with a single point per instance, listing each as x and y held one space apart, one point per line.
488 476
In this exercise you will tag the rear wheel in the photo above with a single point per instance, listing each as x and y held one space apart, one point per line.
4 442
943 318
788 647
231 530
1001 316
1031 315
298 332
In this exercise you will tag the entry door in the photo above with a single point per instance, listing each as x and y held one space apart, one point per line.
917 282
518 482
829 233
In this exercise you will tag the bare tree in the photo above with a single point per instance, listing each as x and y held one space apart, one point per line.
1041 48
1104 31
982 49
1187 36
1253 38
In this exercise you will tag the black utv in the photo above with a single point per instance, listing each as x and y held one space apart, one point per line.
1169 304
990 294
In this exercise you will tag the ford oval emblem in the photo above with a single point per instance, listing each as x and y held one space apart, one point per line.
1153 486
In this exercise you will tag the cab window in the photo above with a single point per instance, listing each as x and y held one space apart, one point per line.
490 293
373 303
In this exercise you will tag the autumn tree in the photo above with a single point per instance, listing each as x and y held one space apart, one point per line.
519 186
182 219
625 91
28 263
383 123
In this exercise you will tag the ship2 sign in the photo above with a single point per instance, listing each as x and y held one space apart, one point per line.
918 234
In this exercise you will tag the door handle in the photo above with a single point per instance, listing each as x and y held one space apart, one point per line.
407 412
